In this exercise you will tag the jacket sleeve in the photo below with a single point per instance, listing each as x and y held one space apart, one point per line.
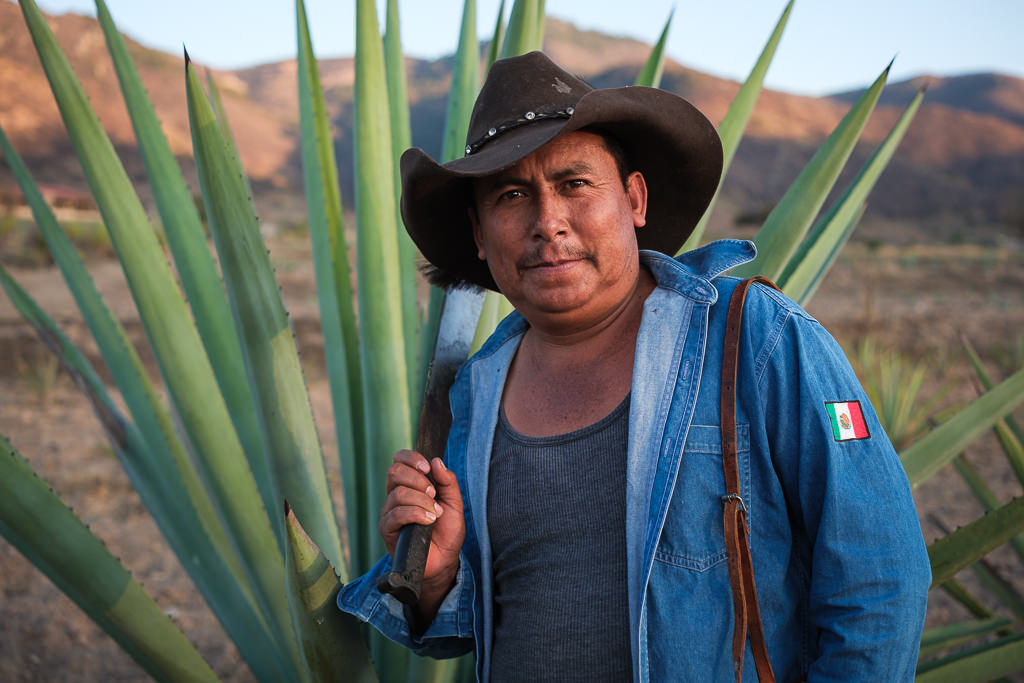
848 495
449 635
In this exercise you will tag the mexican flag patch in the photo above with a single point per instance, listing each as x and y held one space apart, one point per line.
847 420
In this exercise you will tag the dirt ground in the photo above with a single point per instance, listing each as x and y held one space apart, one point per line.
919 300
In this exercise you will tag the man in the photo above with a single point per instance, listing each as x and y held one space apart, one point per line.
579 529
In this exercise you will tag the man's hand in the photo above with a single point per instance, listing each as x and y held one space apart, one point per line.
412 499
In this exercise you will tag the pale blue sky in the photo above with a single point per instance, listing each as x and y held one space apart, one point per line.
829 45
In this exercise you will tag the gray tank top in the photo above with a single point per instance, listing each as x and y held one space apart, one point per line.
556 511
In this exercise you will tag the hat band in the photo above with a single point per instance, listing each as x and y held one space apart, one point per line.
528 117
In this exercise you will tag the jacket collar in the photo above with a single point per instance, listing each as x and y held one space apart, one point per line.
689 274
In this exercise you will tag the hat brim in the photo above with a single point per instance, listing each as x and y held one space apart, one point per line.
668 140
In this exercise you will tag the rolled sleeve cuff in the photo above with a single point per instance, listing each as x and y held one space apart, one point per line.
450 634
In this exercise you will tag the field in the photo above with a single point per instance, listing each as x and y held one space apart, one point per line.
918 300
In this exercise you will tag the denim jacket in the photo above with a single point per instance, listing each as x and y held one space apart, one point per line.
839 560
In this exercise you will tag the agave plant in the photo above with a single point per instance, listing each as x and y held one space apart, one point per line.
234 464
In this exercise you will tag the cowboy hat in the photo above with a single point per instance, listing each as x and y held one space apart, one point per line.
525 103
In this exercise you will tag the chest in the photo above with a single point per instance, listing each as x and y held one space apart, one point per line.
567 399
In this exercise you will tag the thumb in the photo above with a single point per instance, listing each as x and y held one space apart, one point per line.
446 482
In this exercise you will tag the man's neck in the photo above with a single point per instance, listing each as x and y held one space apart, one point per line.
562 380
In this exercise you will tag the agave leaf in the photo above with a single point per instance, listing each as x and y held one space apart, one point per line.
498 37
426 670
522 35
488 320
539 13
929 453
401 140
934 640
47 532
333 285
268 346
464 87
195 266
332 641
985 496
168 500
818 252
385 379
225 129
990 575
982 663
735 122
650 75
175 341
965 545
786 225
1001 587
386 393
1007 430
162 449
840 237
178 501
971 602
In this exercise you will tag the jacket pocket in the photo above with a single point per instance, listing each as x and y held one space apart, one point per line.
692 537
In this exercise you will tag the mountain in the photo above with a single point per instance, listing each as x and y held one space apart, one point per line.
958 172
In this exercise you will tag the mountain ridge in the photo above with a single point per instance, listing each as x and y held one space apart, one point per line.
961 163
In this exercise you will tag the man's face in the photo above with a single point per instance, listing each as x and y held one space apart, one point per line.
558 230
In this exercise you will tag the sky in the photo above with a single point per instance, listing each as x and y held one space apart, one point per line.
829 45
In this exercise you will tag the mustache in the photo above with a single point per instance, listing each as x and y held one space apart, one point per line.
546 254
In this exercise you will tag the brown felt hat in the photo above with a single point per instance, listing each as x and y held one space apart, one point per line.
529 101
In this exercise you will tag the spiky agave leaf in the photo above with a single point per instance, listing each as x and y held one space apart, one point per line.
168 499
965 545
735 122
498 37
818 252
650 75
1007 430
523 34
332 641
937 639
785 227
929 453
401 139
268 345
172 335
35 520
195 266
386 394
982 663
333 286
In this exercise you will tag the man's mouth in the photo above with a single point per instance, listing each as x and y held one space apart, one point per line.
553 262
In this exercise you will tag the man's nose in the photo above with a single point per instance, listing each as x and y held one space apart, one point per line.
552 220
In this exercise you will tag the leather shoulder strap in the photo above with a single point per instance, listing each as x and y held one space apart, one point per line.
746 612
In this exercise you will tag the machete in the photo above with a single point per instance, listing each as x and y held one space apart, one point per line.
460 312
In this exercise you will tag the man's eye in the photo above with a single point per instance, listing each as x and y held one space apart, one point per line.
510 194
576 183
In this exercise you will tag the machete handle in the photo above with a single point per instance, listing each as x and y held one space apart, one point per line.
459 315
405 579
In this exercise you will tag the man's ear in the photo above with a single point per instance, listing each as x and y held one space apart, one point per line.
636 190
474 220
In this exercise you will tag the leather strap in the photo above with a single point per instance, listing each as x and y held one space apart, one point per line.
746 613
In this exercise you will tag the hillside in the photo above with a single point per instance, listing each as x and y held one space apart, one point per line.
960 167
